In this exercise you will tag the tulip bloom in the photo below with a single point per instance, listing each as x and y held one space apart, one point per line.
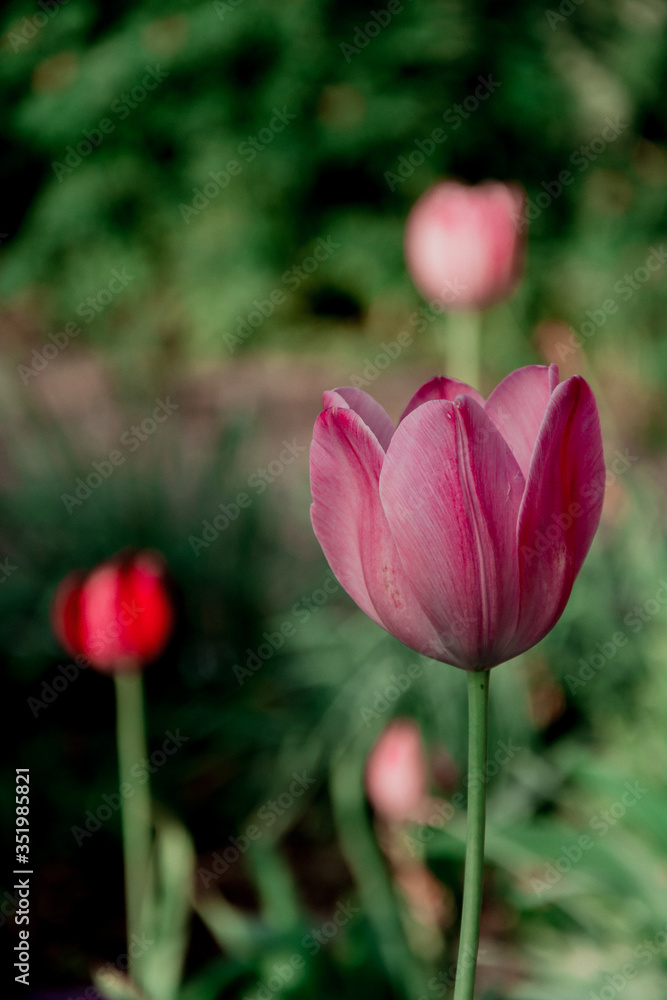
119 616
462 530
396 775
463 245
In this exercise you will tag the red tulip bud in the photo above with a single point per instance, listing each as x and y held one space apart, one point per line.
119 616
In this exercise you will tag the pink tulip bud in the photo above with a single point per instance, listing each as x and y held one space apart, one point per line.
464 246
396 777
462 530
119 616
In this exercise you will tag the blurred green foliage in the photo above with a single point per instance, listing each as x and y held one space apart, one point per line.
358 103
192 266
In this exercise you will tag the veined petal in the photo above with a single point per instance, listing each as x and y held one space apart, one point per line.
349 523
372 414
560 510
517 407
451 491
441 387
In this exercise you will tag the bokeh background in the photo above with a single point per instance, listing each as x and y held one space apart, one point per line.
169 171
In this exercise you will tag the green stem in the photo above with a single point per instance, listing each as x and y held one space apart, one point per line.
463 346
478 702
135 803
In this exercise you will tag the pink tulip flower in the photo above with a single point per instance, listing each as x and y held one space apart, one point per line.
462 530
396 775
464 246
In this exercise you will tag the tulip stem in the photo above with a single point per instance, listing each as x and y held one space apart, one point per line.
135 798
478 703
463 345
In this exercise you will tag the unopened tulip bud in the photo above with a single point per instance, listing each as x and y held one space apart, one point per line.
462 530
396 776
119 616
464 246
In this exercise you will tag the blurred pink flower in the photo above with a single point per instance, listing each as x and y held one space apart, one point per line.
463 245
396 776
461 531
119 615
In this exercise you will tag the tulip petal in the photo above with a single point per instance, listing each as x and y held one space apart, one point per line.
373 415
505 253
561 508
441 387
145 608
66 612
101 630
517 407
451 491
350 525
463 245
